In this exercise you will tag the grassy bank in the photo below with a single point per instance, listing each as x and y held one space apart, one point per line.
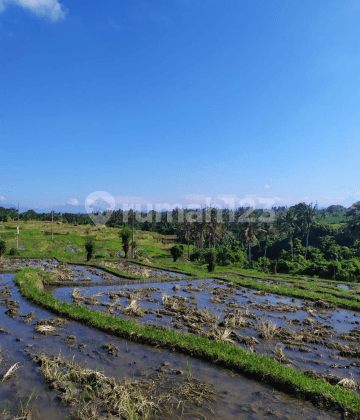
257 366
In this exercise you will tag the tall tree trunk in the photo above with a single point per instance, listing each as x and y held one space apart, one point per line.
307 241
291 246
188 247
249 251
266 243
201 240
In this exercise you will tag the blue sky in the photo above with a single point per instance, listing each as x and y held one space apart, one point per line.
178 100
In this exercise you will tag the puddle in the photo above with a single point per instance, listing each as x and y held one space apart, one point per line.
72 249
237 397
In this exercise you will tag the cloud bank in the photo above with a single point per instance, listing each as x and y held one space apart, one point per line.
73 202
50 9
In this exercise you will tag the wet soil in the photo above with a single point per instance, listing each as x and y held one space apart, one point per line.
67 274
237 397
309 335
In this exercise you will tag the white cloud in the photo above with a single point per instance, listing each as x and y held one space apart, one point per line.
267 186
2 198
73 202
51 9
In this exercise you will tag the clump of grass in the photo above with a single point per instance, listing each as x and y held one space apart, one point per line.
266 329
279 354
45 329
218 334
234 320
25 408
126 399
11 372
76 294
133 309
90 411
196 392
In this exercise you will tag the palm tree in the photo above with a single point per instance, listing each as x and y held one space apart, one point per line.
286 225
186 228
267 231
250 234
215 228
307 215
200 229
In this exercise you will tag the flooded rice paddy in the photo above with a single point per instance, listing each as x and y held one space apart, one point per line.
305 335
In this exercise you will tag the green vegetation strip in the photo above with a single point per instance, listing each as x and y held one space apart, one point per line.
331 290
260 367
292 291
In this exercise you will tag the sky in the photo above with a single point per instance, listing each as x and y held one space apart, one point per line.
179 101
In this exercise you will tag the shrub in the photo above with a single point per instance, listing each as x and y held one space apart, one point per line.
13 252
142 252
2 248
176 252
211 258
125 236
198 255
89 246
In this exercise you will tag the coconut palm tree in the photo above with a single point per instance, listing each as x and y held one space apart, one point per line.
250 234
286 225
187 228
200 228
267 232
307 215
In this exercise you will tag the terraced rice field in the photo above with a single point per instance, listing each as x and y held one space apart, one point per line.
69 369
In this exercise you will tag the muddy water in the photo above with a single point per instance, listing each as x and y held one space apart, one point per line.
321 356
74 272
238 398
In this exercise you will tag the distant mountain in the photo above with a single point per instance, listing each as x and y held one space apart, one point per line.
64 208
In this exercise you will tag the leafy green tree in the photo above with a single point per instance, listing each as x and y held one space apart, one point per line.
353 223
125 236
90 247
176 252
2 248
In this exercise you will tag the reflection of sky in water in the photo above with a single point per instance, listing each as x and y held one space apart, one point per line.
239 397
341 320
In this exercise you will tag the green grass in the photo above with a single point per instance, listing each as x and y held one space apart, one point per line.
292 291
36 236
260 366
